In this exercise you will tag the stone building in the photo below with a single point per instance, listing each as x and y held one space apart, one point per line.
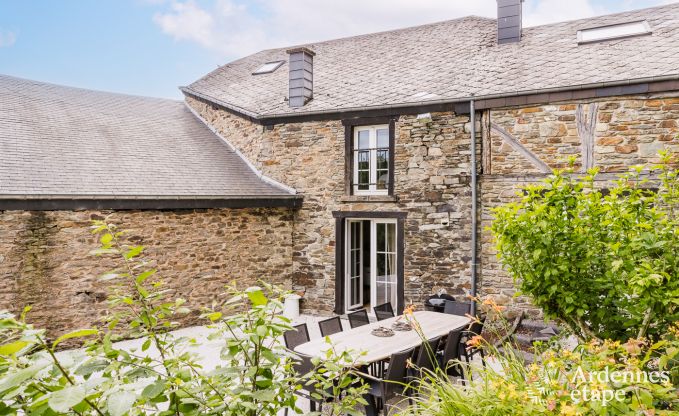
353 168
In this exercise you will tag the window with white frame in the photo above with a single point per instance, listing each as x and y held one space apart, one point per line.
371 160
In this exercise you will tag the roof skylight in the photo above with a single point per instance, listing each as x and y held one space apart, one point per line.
622 30
268 67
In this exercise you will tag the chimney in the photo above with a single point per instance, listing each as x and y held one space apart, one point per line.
508 21
301 76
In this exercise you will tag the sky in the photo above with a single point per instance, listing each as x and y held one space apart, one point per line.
150 47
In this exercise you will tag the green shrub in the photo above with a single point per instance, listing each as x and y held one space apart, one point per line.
605 265
596 378
162 377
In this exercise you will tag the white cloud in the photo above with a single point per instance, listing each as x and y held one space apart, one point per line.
235 28
7 38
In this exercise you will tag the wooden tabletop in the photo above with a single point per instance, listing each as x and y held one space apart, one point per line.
433 324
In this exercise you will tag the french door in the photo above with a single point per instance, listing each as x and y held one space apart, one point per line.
354 268
378 245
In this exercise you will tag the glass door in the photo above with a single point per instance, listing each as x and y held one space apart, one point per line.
354 267
384 281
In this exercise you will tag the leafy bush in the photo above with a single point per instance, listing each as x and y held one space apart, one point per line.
163 376
596 378
605 265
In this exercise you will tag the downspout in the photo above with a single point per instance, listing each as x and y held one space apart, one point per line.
472 118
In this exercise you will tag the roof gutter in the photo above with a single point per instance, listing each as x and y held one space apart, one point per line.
474 253
106 202
263 118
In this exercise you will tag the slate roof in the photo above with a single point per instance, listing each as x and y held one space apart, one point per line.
63 142
446 62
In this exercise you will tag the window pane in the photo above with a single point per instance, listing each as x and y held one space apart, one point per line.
382 159
363 162
382 179
364 139
391 237
383 138
381 265
363 179
381 245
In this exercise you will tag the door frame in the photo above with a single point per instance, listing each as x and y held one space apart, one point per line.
340 252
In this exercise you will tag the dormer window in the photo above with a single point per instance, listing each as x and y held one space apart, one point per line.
268 67
610 32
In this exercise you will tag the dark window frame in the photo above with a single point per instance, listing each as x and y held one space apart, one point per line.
340 252
349 125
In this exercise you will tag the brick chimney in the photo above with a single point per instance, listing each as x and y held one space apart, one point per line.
301 87
508 21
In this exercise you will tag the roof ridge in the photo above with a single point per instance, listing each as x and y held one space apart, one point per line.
583 19
121 94
381 32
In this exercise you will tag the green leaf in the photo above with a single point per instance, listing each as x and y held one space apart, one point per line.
13 347
145 275
256 296
120 402
133 252
214 316
75 334
153 389
106 239
63 400
15 379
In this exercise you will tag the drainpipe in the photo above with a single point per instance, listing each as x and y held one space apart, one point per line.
472 117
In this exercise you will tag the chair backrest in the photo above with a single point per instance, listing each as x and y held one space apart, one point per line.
296 336
457 308
383 311
395 378
330 326
452 348
358 318
476 327
426 355
303 366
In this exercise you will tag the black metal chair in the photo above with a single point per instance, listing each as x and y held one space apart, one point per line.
297 336
384 311
476 328
330 326
451 352
457 308
358 318
425 357
387 385
302 367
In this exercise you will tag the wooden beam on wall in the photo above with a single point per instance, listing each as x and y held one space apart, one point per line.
586 124
509 139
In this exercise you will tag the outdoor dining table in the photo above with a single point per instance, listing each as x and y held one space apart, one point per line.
377 348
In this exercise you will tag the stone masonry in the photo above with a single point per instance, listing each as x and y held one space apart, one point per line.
431 185
44 255
432 180
45 260
627 131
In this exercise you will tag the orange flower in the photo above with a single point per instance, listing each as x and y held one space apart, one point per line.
475 341
409 309
490 302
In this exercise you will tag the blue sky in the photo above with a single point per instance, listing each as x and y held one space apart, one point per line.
149 47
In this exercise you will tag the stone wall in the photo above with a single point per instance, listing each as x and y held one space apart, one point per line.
627 131
45 261
432 182
496 190
431 185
